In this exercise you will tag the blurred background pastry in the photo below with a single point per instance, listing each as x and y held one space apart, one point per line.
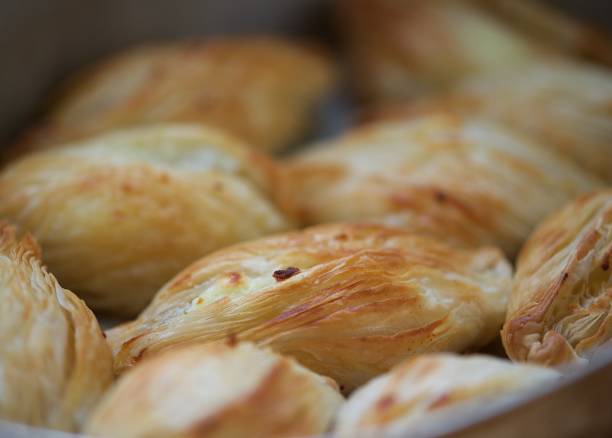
262 90
402 48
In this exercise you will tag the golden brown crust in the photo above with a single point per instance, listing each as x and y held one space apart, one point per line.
564 106
261 90
401 48
348 300
120 214
430 388
464 180
54 360
217 390
560 308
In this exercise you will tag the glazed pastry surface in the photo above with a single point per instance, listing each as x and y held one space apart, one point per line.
429 388
464 180
261 90
120 214
54 360
219 391
348 301
560 307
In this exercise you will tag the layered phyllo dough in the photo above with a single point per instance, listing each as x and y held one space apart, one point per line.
348 301
560 307
427 390
118 215
220 391
462 179
563 106
54 361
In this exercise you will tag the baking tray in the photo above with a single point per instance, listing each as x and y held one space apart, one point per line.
43 41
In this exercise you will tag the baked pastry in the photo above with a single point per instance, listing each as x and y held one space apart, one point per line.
421 46
54 361
565 106
217 390
261 90
464 180
432 388
120 214
561 303
348 301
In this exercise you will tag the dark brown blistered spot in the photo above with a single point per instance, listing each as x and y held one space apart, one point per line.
565 275
234 277
342 237
605 265
283 274
385 403
127 187
231 340
440 196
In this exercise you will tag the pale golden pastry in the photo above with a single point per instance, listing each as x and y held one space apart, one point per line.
402 48
432 388
464 180
262 90
348 301
219 391
565 106
54 361
560 308
120 214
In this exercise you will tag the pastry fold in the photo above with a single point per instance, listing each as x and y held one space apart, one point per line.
348 301
560 307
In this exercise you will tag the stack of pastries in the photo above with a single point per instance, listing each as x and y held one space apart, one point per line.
350 287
